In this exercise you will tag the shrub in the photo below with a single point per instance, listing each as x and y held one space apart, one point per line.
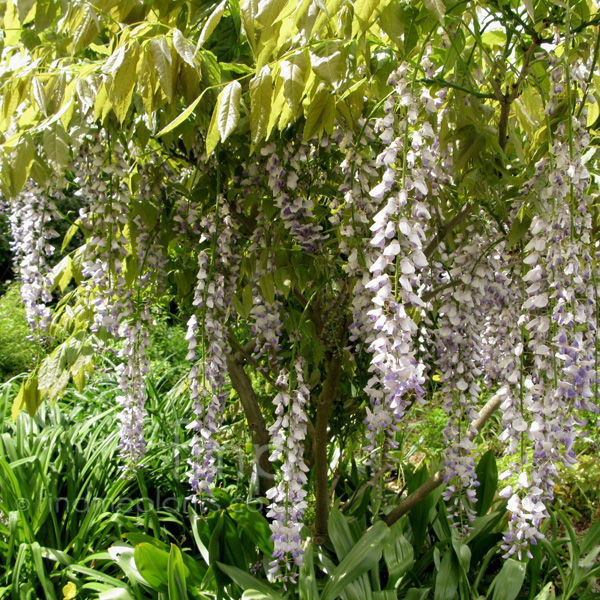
17 351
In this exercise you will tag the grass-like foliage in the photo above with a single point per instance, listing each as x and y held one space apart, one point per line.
17 351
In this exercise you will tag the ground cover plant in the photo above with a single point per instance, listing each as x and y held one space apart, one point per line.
359 210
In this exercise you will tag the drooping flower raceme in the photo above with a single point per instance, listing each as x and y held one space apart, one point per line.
30 216
288 497
290 178
132 384
459 358
559 315
397 259
102 189
212 297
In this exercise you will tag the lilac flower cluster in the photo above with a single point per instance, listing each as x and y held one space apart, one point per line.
105 198
266 320
289 179
352 217
101 178
213 298
29 217
131 374
502 338
109 260
288 497
397 259
459 351
559 315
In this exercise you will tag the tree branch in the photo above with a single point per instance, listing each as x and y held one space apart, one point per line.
507 99
443 231
244 355
320 442
436 480
444 83
256 423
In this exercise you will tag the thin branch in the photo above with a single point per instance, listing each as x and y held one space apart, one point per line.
443 83
321 435
595 21
436 480
320 443
431 294
245 351
256 422
508 98
443 231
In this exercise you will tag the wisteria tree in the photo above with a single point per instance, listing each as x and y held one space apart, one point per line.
356 205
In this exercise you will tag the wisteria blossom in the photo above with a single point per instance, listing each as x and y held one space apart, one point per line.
30 218
559 315
347 237
207 377
288 497
396 259
290 180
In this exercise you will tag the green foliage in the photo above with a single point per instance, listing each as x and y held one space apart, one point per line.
170 76
17 352
167 353
62 496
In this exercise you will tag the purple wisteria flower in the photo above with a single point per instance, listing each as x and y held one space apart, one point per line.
559 316
290 179
288 497
29 216
207 377
396 260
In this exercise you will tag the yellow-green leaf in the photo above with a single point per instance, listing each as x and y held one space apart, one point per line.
18 403
63 273
229 108
26 10
28 397
101 103
79 379
321 113
182 117
69 235
248 11
211 23
268 11
113 62
11 26
260 98
22 158
593 113
436 8
365 14
163 63
87 30
40 96
293 72
32 396
331 65
121 91
183 48
278 103
85 94
146 78
213 135
56 146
